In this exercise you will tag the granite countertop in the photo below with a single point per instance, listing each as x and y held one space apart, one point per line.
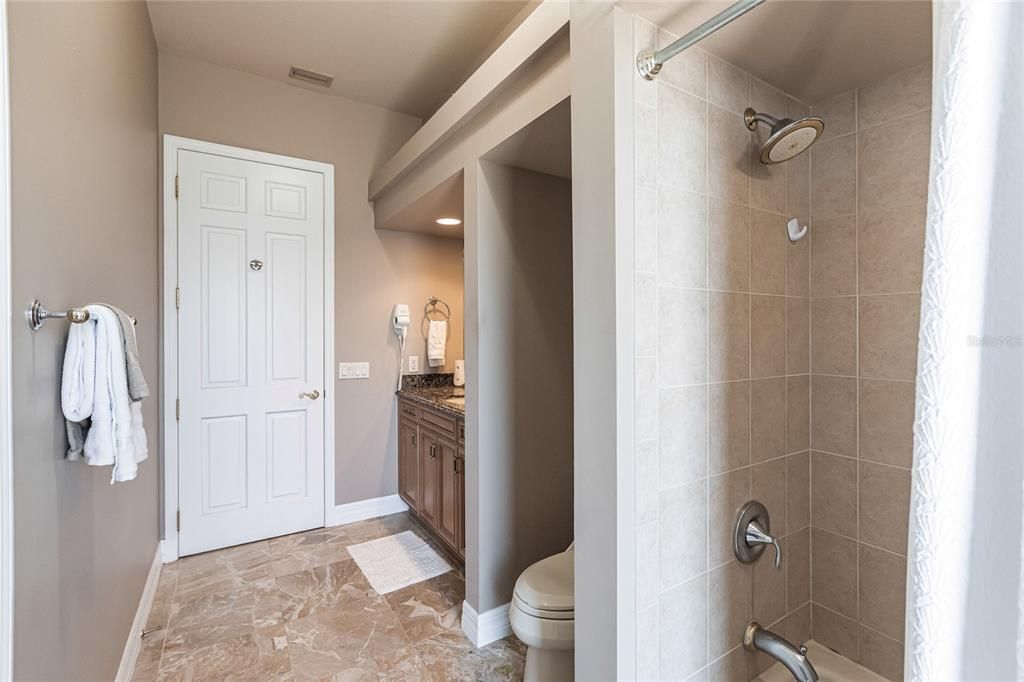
434 397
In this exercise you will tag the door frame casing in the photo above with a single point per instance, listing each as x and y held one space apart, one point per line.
172 144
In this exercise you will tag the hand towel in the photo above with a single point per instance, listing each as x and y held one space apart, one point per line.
437 337
115 429
137 386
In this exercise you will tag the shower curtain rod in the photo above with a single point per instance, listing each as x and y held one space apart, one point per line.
649 62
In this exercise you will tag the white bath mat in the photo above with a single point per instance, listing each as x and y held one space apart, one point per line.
396 561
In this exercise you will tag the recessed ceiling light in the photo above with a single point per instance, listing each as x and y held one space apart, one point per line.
448 221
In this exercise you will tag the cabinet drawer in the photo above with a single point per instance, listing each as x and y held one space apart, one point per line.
441 423
407 409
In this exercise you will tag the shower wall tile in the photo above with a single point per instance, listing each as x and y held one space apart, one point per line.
839 114
768 244
834 493
682 336
883 581
645 143
798 571
728 246
888 336
727 494
891 249
645 226
682 435
729 426
884 506
881 654
834 414
892 162
798 267
683 629
729 330
887 422
730 586
900 95
834 341
767 336
834 256
721 295
682 238
687 71
682 140
868 201
834 180
767 419
683 537
834 577
729 156
728 87
798 491
837 632
798 335
798 413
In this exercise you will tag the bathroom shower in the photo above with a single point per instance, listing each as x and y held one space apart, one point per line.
788 137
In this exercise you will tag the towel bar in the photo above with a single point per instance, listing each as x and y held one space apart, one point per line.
36 314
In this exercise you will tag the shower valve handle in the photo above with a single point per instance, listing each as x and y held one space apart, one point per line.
755 535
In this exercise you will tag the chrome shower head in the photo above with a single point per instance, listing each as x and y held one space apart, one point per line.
788 137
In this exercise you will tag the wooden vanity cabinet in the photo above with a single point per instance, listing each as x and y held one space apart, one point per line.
431 471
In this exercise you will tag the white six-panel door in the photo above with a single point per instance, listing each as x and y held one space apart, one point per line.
250 351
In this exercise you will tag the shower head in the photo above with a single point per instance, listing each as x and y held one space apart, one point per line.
788 137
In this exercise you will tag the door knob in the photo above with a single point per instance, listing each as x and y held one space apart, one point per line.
312 395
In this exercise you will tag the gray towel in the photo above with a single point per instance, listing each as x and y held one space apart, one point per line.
137 387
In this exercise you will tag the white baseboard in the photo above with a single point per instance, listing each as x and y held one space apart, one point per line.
486 627
134 643
366 509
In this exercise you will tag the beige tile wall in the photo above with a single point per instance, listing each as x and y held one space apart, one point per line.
869 179
722 368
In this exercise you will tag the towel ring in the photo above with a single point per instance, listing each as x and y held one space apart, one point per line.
431 307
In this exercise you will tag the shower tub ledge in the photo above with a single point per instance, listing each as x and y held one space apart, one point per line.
831 667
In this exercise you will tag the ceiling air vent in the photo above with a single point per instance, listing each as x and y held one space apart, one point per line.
312 77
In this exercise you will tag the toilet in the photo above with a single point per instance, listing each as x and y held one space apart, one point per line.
543 616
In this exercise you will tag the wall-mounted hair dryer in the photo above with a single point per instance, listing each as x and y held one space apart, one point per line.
400 321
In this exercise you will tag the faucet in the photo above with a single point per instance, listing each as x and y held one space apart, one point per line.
756 638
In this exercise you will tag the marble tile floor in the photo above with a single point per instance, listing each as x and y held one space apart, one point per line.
299 608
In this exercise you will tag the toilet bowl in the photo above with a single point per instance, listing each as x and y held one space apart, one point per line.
543 616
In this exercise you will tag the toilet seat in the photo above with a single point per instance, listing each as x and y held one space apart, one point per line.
545 589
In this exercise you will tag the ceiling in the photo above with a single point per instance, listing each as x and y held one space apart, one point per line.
405 56
811 49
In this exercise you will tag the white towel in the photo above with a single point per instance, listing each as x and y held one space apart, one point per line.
95 386
437 337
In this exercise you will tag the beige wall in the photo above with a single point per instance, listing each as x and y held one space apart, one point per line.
373 269
869 193
84 216
721 368
519 440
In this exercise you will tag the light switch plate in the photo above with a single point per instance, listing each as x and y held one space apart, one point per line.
354 370
414 363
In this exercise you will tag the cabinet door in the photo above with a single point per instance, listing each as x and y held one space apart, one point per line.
408 462
448 494
460 488
429 471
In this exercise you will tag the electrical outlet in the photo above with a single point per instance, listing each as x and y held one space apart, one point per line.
354 370
414 363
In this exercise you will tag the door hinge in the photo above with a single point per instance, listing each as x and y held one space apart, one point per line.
178 520
177 187
177 409
177 297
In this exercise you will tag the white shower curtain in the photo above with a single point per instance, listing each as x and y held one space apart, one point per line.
965 590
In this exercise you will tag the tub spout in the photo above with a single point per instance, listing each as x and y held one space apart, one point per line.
756 638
